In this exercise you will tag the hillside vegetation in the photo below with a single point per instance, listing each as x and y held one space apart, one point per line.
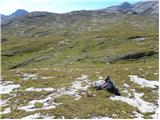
118 41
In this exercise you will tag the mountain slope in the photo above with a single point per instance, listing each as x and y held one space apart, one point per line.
50 61
67 37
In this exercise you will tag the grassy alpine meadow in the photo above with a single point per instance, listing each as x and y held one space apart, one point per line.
50 63
88 106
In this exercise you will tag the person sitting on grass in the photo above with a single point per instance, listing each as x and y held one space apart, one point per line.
109 86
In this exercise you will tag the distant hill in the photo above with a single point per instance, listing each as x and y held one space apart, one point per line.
146 7
53 21
17 13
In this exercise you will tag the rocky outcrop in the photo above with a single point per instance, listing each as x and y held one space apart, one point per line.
28 60
129 56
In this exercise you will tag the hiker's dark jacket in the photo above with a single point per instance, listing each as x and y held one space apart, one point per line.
108 85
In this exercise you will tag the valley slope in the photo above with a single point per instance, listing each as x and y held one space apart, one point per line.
118 41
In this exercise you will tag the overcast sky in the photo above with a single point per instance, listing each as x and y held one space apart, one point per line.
57 6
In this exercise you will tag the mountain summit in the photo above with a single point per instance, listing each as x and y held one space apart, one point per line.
143 7
125 5
19 12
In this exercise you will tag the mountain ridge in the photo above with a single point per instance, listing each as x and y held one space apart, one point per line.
124 7
147 8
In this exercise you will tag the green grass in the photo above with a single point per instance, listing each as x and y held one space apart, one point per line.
86 107
38 105
89 46
74 50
